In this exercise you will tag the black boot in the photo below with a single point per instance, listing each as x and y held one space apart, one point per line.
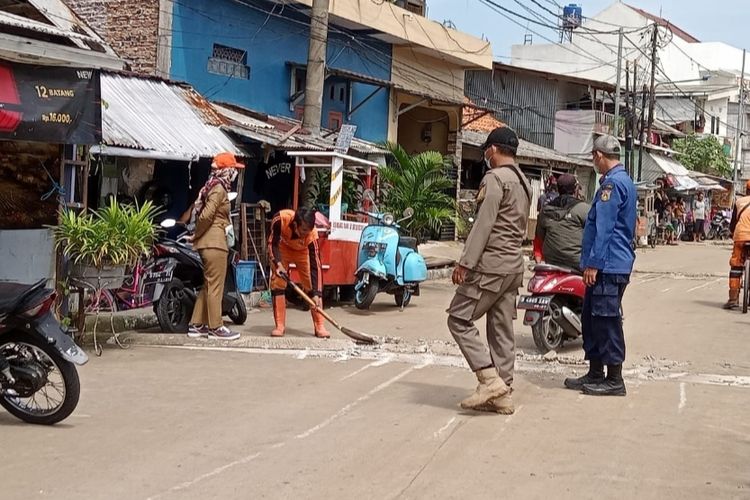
594 376
613 385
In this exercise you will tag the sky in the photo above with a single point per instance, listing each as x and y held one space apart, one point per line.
719 21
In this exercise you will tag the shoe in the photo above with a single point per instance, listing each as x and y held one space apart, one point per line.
319 323
491 386
279 315
197 331
223 333
730 305
594 376
502 405
613 385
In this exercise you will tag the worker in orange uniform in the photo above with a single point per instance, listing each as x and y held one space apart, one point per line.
294 240
740 227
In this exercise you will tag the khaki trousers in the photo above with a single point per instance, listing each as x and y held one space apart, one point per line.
495 297
208 306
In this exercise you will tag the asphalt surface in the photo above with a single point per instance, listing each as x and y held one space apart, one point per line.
330 420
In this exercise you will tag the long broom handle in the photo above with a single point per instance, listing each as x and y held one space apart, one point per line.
309 301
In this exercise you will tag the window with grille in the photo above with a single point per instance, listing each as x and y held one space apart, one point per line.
229 61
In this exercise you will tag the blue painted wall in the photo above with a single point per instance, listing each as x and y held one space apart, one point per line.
271 41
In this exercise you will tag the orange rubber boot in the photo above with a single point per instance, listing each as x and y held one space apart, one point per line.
319 322
279 315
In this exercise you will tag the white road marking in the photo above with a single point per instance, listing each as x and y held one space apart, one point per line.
704 285
444 428
683 398
249 458
665 290
202 477
302 354
378 362
346 409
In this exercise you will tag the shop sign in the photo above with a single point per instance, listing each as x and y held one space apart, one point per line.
50 104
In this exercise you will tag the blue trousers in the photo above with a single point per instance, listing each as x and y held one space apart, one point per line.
603 337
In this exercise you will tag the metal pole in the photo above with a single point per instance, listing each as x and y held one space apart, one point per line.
652 94
316 66
628 129
641 135
617 87
738 133
634 117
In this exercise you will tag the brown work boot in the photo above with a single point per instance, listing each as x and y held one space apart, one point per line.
734 300
491 386
279 315
502 405
319 323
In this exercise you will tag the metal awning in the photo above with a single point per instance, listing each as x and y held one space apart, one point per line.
152 118
656 166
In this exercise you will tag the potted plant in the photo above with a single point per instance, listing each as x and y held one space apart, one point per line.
100 245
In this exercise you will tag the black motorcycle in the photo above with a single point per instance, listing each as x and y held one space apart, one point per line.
43 385
176 302
719 228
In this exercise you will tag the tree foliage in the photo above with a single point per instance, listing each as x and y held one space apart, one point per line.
703 154
420 182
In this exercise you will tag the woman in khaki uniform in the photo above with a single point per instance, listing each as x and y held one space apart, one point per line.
212 211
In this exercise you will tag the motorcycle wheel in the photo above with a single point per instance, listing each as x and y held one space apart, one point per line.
173 310
548 335
711 234
403 297
60 393
364 297
238 314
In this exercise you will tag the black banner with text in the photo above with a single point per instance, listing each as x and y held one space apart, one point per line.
50 104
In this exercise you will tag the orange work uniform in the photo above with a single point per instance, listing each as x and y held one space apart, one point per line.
740 227
289 248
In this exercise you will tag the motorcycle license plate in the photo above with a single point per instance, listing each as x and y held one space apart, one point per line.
159 277
534 302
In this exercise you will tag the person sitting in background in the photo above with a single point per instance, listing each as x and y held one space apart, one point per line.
559 229
550 193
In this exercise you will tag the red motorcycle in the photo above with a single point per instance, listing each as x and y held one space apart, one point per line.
554 307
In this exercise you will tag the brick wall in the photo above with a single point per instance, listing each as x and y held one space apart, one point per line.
130 27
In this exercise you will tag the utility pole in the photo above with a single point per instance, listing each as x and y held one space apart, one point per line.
628 122
634 117
642 135
652 94
316 66
617 87
738 135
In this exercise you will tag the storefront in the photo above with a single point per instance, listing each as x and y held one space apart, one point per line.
48 118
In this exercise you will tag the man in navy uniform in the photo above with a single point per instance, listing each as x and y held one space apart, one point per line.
607 261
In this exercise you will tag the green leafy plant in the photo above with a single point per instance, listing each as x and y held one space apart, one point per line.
320 189
703 154
114 235
418 181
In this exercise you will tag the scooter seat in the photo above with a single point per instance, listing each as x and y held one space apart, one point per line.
12 295
408 242
549 268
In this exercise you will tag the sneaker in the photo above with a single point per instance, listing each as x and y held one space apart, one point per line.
197 331
223 333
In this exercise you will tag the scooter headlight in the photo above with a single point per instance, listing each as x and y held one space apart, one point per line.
388 219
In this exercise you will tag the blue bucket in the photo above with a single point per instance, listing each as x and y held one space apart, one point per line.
246 275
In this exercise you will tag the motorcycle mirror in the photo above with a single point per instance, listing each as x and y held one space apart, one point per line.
369 194
232 196
409 212
168 223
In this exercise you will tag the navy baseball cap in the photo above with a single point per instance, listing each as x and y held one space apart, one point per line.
501 136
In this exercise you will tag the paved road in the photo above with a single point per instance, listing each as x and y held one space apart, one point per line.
211 422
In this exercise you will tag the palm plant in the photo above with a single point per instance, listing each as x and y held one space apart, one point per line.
114 235
418 181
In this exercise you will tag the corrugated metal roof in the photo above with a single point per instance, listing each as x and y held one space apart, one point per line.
527 150
161 117
273 129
